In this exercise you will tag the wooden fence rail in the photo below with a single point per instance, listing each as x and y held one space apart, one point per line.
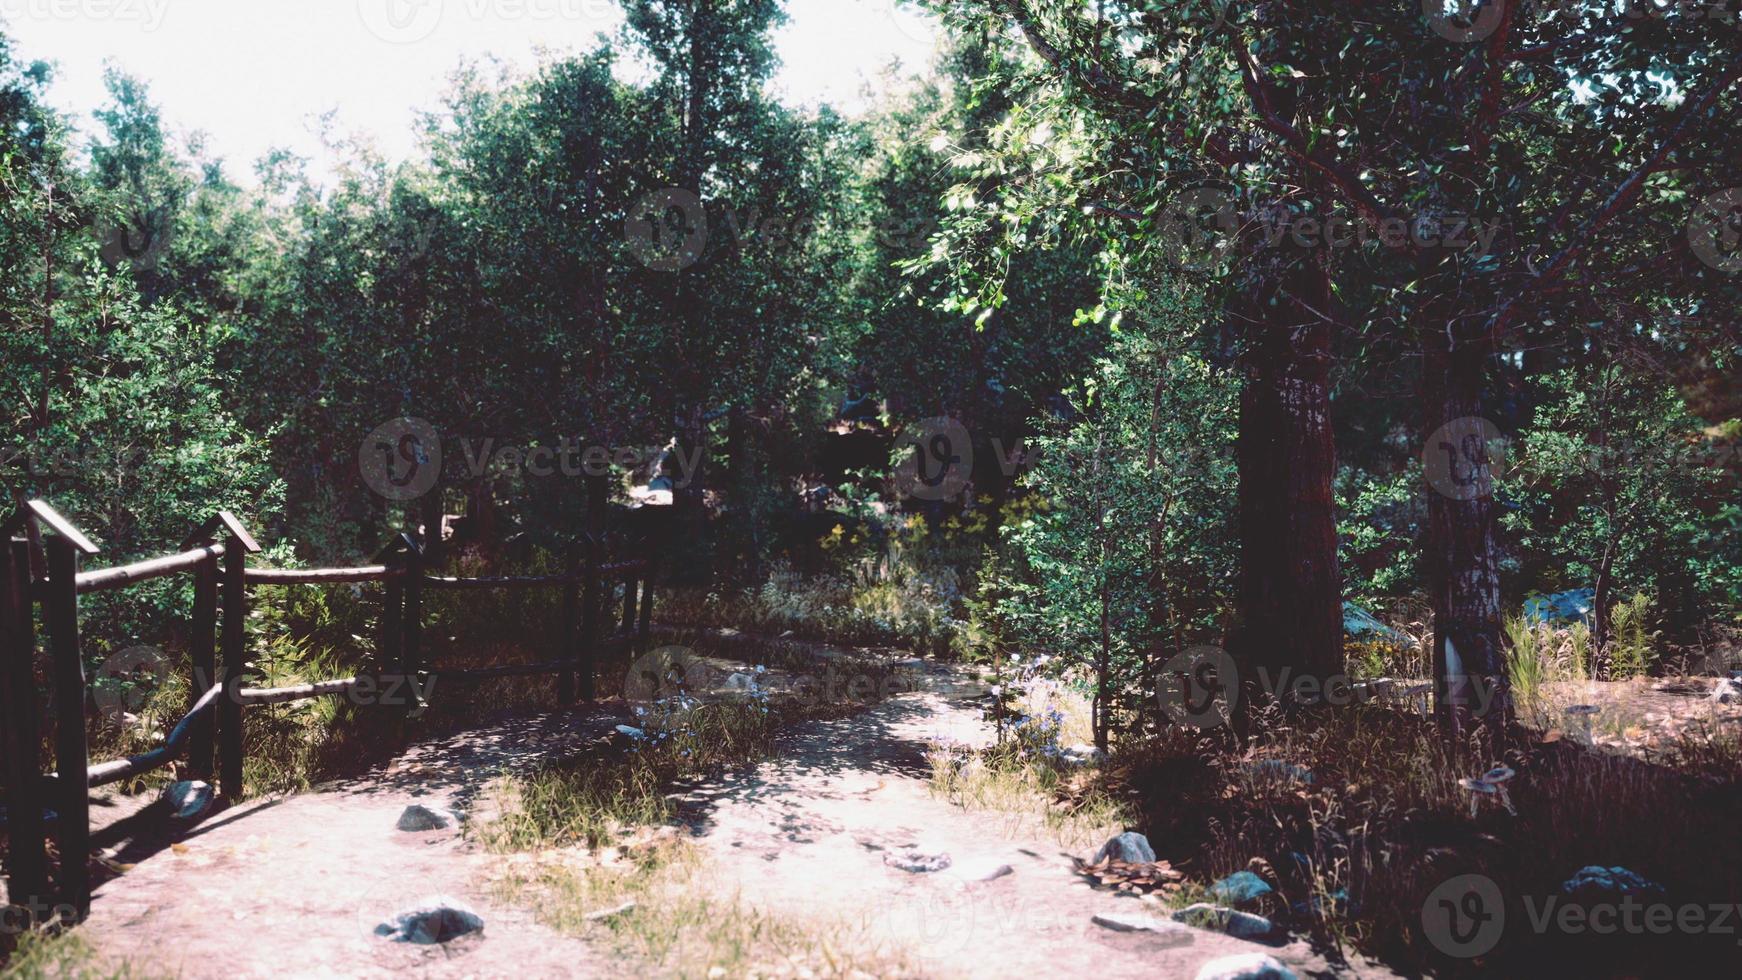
217 556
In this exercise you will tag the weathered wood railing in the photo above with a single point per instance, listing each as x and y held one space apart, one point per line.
217 557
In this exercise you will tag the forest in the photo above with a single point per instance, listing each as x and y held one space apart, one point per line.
1304 434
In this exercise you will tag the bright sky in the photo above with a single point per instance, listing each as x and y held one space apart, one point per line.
252 74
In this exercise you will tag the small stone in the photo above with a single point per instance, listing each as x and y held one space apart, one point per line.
1240 888
1240 925
610 913
981 870
1132 848
1123 922
418 818
1246 966
1081 755
740 682
917 862
1595 880
188 799
437 921
1728 691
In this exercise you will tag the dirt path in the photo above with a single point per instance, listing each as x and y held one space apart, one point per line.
808 835
296 886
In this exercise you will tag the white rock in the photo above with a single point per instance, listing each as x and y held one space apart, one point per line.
1246 966
1126 922
418 818
610 913
1240 925
436 921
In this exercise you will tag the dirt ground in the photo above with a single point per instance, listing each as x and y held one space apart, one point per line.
296 886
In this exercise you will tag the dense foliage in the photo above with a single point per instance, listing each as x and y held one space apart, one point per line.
682 262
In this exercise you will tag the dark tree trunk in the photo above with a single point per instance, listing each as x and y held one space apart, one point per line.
1290 612
1462 550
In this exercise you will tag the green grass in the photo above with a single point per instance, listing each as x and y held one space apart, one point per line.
67 956
595 831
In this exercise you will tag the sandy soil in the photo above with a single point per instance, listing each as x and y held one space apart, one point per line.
808 834
296 886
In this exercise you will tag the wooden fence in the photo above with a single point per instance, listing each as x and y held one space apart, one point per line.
217 557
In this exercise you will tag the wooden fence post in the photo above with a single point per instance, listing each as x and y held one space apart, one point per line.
411 622
571 639
645 626
27 854
204 655
591 600
238 545
71 759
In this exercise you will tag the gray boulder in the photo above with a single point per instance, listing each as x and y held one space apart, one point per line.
1246 966
437 921
418 818
917 862
188 800
1132 848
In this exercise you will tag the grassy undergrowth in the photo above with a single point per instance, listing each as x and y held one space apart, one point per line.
40 956
591 843
1355 815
